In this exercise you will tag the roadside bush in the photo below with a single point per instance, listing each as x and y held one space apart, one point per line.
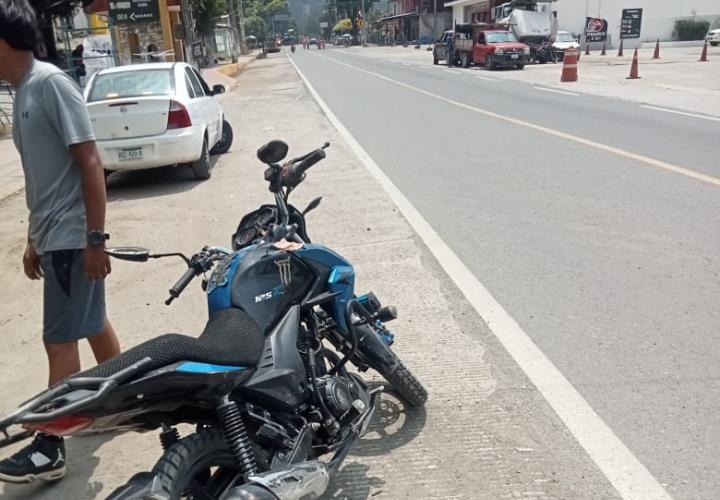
690 29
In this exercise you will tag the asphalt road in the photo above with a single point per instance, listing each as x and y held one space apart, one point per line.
594 222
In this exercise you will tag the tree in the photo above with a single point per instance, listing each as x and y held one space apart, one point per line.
206 13
350 9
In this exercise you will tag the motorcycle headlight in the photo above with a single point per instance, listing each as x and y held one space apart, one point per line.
526 50
500 51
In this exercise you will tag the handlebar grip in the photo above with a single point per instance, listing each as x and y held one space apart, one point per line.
181 284
308 162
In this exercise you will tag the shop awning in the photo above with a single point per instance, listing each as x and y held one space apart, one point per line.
408 14
461 3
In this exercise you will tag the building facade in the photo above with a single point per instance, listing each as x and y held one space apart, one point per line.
658 20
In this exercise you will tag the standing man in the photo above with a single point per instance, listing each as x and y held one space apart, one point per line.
65 192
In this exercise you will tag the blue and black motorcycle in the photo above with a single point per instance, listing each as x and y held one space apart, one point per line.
266 384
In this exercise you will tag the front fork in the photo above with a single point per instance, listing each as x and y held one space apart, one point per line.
373 338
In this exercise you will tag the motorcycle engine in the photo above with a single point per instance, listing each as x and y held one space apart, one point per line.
339 394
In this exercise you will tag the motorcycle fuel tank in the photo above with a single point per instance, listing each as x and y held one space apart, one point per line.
262 280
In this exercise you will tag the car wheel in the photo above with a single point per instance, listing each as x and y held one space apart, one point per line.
520 66
201 167
435 59
489 64
714 44
226 139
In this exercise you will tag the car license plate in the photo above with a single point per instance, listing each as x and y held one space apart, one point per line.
130 154
515 56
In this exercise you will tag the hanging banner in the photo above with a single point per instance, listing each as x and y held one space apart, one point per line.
595 29
630 23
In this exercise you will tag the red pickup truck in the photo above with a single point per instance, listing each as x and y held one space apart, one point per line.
494 48
483 44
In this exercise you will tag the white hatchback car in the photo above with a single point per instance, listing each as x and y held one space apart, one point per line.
713 37
157 114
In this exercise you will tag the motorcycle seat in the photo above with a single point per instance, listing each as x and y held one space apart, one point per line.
231 338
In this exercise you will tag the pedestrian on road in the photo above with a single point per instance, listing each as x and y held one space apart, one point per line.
78 62
65 193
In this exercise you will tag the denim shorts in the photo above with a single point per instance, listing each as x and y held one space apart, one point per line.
74 305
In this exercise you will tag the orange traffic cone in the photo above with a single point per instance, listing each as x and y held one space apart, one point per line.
634 67
656 55
620 50
703 57
569 71
604 50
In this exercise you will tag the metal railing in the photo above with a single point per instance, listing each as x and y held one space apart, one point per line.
6 104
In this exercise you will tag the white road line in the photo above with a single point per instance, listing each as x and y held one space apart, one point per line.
453 71
556 91
547 130
487 78
694 115
624 471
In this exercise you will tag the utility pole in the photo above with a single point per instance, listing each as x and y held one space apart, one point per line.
243 44
188 29
362 30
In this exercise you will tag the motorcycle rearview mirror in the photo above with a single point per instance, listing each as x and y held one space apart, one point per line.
272 152
312 205
132 254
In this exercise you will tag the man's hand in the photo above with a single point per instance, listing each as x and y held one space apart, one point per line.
31 263
97 262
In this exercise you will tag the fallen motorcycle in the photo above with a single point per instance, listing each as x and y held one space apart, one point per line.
266 384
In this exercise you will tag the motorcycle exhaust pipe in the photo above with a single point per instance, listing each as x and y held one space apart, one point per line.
302 481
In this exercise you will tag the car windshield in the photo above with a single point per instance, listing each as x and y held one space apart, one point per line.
500 37
136 83
565 37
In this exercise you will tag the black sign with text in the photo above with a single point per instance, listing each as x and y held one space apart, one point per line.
595 29
630 23
133 11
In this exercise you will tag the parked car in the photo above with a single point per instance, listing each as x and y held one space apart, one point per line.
564 41
313 41
482 44
157 114
494 48
713 37
440 48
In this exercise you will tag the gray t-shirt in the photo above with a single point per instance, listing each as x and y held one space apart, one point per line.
49 116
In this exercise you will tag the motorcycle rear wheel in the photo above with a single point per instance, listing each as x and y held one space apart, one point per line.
197 466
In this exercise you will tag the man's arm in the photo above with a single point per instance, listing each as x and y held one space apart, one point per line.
85 154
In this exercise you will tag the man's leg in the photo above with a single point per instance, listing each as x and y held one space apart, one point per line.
105 345
63 360
73 307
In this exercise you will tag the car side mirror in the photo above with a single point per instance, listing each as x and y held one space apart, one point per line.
272 152
218 89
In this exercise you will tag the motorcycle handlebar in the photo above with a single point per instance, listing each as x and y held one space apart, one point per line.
181 284
296 170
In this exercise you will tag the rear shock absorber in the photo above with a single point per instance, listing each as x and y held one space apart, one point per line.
237 437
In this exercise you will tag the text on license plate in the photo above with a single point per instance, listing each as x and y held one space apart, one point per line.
130 154
515 56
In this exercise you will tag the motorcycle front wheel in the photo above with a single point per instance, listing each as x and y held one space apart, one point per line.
197 466
405 384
